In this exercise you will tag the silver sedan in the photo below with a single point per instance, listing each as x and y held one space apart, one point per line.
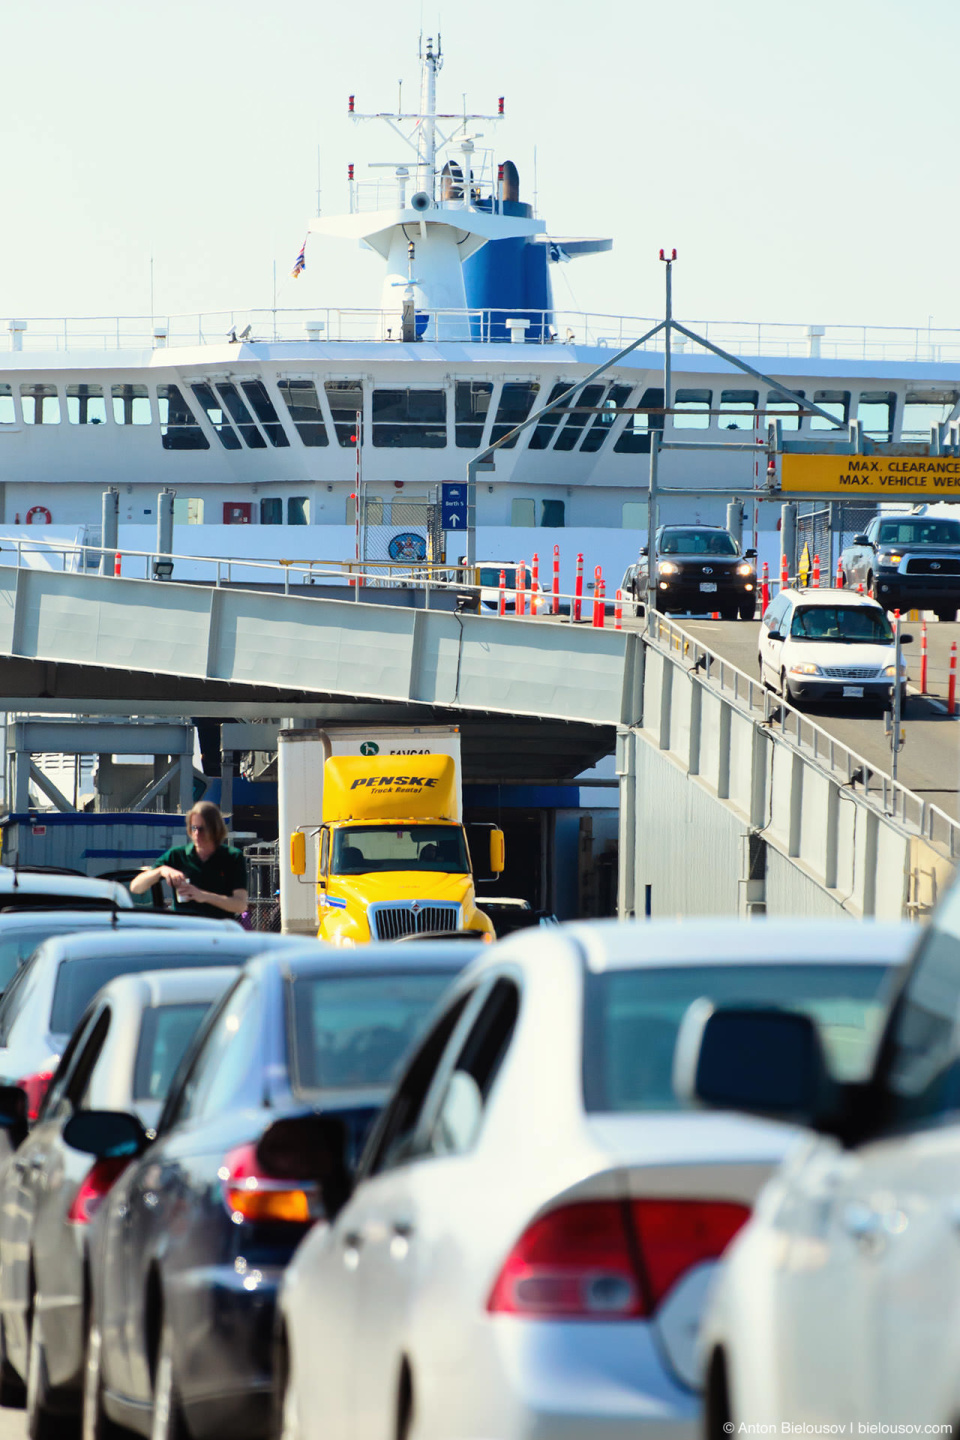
536 1219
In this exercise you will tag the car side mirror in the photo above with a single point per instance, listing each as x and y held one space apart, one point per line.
764 1062
906 639
750 554
107 1134
313 1148
860 540
775 635
644 550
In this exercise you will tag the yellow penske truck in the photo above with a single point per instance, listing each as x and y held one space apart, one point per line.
388 855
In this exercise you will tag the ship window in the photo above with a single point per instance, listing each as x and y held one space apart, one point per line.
405 419
875 412
472 404
8 414
345 398
784 410
85 405
187 511
552 514
733 404
178 429
635 437
835 402
256 393
633 515
351 516
692 409
922 409
588 399
543 431
373 510
40 404
604 422
131 405
215 414
303 402
298 510
516 402
522 512
240 415
271 512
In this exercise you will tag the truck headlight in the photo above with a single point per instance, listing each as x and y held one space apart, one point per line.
805 669
889 557
667 567
744 569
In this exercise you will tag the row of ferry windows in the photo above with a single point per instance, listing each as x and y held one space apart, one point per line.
243 414
524 513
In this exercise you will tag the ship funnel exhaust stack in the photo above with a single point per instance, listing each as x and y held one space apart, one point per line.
511 181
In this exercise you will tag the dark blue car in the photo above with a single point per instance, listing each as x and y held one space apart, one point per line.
188 1249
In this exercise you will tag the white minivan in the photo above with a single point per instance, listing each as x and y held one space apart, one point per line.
829 644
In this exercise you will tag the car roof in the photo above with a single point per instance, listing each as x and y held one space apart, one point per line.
426 957
231 939
66 919
170 987
829 595
615 945
679 526
33 882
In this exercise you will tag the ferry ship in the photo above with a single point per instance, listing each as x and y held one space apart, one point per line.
268 424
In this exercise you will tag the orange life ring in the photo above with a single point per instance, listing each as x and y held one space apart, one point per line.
42 512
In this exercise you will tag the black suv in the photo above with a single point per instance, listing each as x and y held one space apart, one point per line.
699 568
907 562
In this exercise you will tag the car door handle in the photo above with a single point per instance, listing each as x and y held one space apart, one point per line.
353 1240
403 1229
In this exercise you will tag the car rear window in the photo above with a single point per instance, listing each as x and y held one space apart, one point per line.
632 1018
352 1032
165 1033
14 949
79 980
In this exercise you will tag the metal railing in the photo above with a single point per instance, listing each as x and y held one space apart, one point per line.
338 323
885 794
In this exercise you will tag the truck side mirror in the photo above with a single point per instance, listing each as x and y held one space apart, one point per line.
644 550
298 853
497 851
860 540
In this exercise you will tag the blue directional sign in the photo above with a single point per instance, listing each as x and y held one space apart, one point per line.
453 507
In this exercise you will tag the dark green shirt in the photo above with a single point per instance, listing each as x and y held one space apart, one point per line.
224 872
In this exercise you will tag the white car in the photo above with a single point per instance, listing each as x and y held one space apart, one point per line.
488 578
839 1304
829 645
536 1218
25 889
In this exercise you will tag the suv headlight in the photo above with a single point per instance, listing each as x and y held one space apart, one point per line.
805 669
889 557
667 567
744 569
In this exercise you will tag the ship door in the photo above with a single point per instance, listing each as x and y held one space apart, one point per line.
237 512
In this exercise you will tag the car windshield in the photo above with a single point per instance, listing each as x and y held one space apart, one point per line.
490 576
364 849
349 1033
919 532
698 542
632 1018
845 624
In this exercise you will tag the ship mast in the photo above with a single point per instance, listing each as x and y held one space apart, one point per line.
430 63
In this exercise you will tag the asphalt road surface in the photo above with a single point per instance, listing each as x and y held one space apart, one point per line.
13 1425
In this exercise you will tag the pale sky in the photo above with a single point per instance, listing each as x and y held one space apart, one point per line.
799 156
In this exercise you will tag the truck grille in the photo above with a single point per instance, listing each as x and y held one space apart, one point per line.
852 672
932 565
411 917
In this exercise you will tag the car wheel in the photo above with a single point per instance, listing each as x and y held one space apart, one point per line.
870 587
748 607
729 612
43 1423
13 1392
945 614
903 703
168 1421
785 690
97 1424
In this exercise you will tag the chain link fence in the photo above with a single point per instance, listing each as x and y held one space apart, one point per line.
401 532
826 530
263 885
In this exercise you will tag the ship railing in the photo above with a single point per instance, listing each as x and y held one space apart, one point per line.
849 769
333 324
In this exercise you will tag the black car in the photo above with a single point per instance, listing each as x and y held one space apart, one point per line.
187 1253
698 568
907 562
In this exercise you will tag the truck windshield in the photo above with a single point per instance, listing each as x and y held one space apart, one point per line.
919 532
364 849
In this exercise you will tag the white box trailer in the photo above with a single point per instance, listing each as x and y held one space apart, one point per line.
301 755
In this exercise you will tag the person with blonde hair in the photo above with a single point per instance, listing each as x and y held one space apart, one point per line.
208 876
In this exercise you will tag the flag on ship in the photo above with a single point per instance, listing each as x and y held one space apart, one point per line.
301 262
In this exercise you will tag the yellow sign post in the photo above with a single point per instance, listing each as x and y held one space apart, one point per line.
913 477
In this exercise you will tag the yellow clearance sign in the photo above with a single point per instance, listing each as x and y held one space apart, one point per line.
911 476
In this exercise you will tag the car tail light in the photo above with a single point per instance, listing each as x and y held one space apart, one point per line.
610 1260
250 1193
95 1185
35 1087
